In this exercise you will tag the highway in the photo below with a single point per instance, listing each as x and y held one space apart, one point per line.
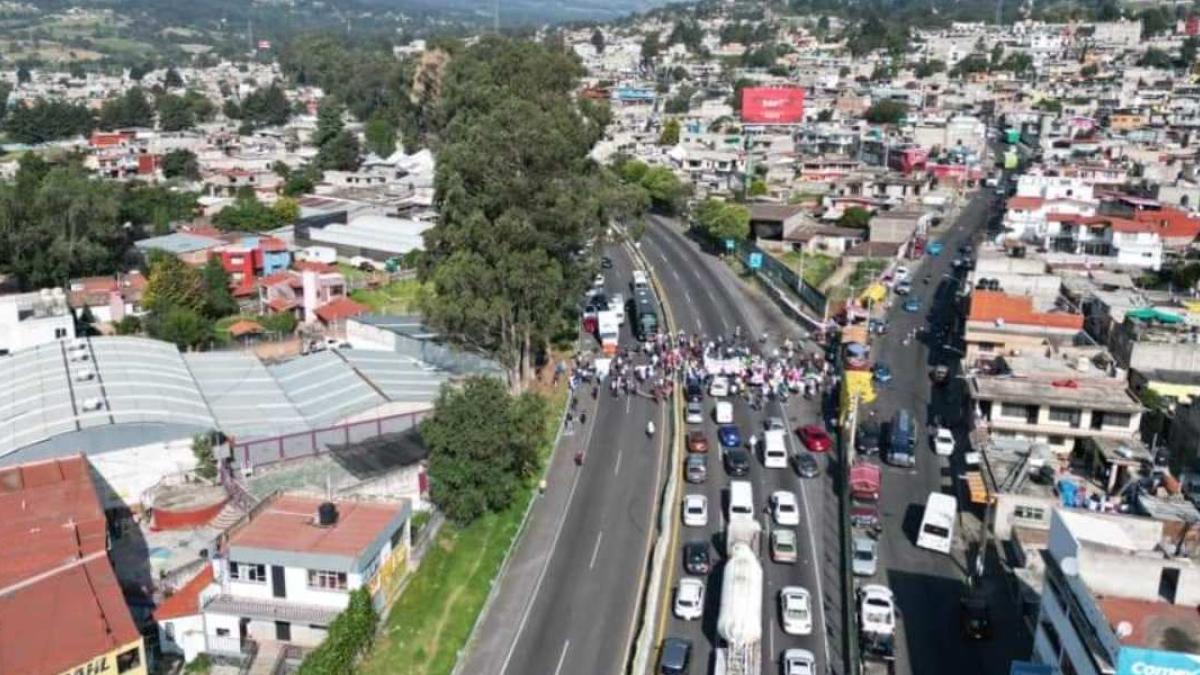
928 585
567 601
707 298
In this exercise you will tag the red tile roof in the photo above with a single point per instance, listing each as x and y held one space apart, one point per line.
245 327
339 309
280 278
281 304
1017 309
288 524
1172 223
1025 203
1150 622
315 266
58 574
186 600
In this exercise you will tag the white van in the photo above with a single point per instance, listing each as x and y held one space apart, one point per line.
639 280
937 525
741 499
724 412
719 387
775 454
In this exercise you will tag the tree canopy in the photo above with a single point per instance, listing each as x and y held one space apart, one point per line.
518 196
181 164
131 109
483 445
247 214
886 111
722 220
45 121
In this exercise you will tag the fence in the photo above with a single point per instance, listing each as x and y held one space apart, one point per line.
265 451
782 275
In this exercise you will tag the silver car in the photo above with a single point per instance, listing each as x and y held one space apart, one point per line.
865 557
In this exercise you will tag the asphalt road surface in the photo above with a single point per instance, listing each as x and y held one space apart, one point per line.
567 602
706 298
928 585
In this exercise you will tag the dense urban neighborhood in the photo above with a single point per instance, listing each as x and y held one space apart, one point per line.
733 337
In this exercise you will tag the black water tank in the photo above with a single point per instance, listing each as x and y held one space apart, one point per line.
327 514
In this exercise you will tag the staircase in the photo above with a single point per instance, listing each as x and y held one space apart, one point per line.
229 514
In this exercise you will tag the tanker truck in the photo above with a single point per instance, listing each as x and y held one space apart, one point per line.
739 623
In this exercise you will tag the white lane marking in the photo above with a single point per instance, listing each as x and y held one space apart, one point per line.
812 543
663 258
771 635
627 401
617 466
699 327
596 550
676 275
687 295
562 657
537 588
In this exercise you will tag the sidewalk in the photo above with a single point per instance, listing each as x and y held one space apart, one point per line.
515 587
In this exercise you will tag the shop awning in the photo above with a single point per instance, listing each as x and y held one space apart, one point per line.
976 488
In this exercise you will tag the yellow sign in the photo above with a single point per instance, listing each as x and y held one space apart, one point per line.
391 573
131 658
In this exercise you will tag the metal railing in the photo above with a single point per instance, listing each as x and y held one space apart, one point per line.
275 449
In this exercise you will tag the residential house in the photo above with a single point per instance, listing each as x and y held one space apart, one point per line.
109 299
286 573
249 257
1000 324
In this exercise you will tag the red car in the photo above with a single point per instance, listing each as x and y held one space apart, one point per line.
814 438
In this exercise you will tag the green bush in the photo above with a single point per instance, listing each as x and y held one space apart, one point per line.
350 635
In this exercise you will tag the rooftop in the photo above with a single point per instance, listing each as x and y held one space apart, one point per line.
59 575
289 524
1002 308
1089 394
1154 625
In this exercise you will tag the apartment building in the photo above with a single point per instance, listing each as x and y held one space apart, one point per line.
1118 598
1002 324
32 319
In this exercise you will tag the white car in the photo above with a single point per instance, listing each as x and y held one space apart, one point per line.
876 610
689 599
695 511
719 387
900 273
799 662
784 508
943 442
795 610
598 281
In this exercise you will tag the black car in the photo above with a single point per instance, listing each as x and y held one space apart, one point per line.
866 441
806 465
737 462
676 653
695 391
696 559
606 262
976 618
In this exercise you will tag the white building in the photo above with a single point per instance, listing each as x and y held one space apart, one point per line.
1116 594
285 574
32 319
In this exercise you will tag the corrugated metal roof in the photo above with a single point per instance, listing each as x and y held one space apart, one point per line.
245 398
324 388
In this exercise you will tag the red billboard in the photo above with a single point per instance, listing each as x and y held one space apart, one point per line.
772 105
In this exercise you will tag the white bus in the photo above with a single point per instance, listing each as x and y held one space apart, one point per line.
937 525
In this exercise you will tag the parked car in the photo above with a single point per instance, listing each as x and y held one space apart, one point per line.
695 468
696 559
694 413
719 387
606 263
783 545
935 248
814 438
729 435
866 440
695 511
689 599
975 617
598 281
912 305
795 610
784 508
697 441
806 465
903 287
943 442
864 560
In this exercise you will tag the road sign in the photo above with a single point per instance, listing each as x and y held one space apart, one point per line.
755 261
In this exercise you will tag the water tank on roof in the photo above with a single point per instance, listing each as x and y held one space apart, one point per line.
91 404
327 514
84 374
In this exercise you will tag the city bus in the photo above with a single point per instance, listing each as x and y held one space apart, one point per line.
937 525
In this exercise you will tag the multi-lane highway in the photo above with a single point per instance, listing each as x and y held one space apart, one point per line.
928 585
706 299
568 599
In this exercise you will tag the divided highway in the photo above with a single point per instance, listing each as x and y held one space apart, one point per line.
566 604
705 299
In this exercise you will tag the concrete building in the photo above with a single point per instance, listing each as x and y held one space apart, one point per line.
284 575
1002 324
1116 595
1055 399
31 319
